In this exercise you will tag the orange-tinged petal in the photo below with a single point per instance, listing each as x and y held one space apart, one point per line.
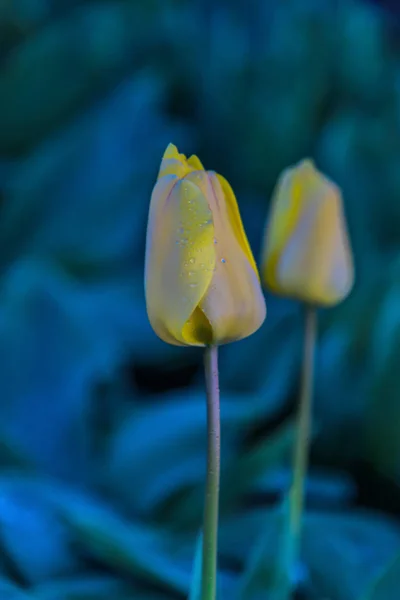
233 303
180 260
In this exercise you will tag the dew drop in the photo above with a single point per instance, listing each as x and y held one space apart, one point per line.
192 260
191 273
215 241
192 285
223 260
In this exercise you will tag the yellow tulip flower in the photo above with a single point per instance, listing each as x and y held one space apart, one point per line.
306 252
201 281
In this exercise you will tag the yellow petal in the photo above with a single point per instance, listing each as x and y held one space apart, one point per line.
234 303
306 250
197 329
286 207
236 221
171 151
174 163
180 261
316 266
195 163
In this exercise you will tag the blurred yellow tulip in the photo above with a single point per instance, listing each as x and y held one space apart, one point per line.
201 281
306 253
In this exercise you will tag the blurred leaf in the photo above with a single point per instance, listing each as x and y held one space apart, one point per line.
54 205
9 591
251 466
362 60
387 584
128 547
53 349
240 533
84 588
382 420
345 552
272 373
31 534
342 552
239 477
323 488
20 19
60 69
345 369
259 578
265 572
195 585
161 450
11 456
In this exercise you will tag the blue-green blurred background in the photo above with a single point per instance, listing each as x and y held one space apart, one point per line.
102 426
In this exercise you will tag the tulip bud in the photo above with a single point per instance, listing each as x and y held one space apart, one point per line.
306 252
201 281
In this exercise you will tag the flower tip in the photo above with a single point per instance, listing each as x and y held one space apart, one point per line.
171 151
194 162
173 163
307 165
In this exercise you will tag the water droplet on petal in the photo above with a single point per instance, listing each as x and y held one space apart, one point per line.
192 260
182 242
192 285
215 241
223 260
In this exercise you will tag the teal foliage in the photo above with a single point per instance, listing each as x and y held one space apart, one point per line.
102 425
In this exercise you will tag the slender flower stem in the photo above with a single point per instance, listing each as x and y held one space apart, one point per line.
210 527
300 461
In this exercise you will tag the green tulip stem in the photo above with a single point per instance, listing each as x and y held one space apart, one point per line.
210 527
301 449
